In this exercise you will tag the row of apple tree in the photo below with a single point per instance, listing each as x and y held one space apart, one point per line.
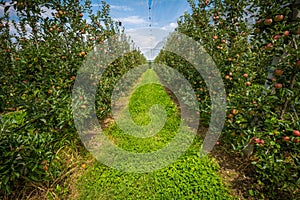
255 46
43 45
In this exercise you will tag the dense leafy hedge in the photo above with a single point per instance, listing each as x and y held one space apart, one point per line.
40 55
262 95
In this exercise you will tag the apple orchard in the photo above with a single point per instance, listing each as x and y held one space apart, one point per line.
254 44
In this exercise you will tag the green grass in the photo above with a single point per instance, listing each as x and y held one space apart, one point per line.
17 117
189 177
140 102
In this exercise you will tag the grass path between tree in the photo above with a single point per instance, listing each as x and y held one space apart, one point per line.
189 177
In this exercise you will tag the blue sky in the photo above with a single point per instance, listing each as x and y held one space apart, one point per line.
134 15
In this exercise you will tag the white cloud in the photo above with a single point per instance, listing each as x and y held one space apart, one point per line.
142 38
170 26
122 8
115 7
147 41
133 20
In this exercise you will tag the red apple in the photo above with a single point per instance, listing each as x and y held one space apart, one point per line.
256 140
296 133
234 111
248 83
268 21
276 37
296 140
215 37
245 75
269 46
230 116
80 15
216 16
278 72
278 18
286 138
278 85
286 33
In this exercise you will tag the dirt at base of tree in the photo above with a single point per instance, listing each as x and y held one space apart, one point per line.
236 171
